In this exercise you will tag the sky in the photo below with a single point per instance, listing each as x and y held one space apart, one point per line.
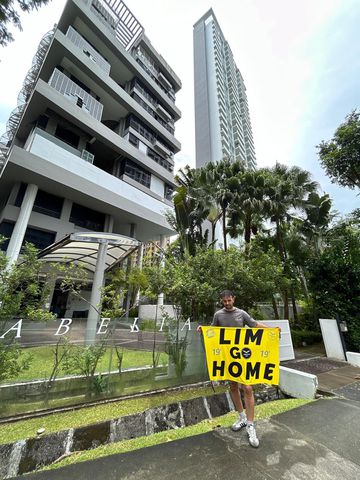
300 60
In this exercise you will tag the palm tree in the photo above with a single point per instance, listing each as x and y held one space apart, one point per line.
287 189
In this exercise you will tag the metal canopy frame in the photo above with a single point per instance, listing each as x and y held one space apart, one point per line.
82 248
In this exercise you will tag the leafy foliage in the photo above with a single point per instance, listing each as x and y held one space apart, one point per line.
335 279
10 13
340 156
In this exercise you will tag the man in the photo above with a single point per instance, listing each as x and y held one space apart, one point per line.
230 316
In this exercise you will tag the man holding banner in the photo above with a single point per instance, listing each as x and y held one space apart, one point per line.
244 356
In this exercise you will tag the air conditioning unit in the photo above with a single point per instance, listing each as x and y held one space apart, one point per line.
87 156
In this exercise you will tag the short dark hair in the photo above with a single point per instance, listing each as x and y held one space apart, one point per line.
227 293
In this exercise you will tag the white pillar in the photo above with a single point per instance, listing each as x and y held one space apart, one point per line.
129 265
95 297
21 224
139 264
160 300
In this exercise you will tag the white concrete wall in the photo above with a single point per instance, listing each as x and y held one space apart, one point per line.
298 384
148 312
331 338
157 185
286 345
353 358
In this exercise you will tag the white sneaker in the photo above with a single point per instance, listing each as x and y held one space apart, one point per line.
239 424
253 440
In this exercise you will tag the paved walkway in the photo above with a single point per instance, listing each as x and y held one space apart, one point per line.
318 441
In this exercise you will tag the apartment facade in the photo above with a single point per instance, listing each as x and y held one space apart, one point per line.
92 145
222 119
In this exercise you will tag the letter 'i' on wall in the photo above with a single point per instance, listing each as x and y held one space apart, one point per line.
244 355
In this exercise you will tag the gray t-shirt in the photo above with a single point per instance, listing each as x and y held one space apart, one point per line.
233 318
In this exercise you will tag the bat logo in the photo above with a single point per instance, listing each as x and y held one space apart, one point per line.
246 352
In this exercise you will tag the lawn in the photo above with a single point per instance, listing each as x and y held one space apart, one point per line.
10 432
264 410
42 362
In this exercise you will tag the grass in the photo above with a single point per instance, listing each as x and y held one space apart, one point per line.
10 432
42 362
264 410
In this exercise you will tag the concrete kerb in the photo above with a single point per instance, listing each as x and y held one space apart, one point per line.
353 358
298 384
28 455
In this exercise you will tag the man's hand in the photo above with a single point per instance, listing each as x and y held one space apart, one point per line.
198 329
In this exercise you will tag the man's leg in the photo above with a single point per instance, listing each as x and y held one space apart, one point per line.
236 398
249 402
250 409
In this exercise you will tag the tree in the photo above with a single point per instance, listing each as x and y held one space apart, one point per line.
10 13
194 283
340 156
335 279
286 192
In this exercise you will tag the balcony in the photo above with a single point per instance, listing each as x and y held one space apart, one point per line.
76 94
87 49
160 148
119 20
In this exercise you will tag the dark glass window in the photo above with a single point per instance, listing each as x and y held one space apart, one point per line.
67 136
45 203
20 195
6 229
37 237
48 204
160 160
42 122
137 173
87 218
133 140
168 192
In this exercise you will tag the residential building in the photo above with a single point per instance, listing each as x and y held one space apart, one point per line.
91 145
222 119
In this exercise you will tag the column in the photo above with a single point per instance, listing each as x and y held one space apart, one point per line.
21 224
160 300
129 265
95 297
140 257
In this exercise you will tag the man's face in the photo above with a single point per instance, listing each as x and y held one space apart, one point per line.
228 302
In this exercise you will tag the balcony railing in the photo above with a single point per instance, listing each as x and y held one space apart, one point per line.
76 94
119 20
89 50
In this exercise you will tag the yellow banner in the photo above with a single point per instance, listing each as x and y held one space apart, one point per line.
243 355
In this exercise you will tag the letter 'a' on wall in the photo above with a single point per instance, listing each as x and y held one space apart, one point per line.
243 355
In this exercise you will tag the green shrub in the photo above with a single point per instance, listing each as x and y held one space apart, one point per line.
302 338
148 325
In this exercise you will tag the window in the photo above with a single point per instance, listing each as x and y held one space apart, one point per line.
133 140
48 204
45 203
168 192
67 136
6 229
40 238
20 195
87 218
137 173
42 122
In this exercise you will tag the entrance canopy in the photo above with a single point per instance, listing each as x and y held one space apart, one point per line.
82 248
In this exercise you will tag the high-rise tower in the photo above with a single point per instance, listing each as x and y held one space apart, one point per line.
222 119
